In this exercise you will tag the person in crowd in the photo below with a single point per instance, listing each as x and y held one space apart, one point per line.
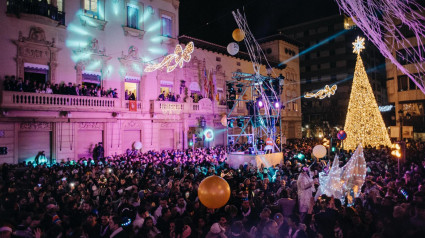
154 193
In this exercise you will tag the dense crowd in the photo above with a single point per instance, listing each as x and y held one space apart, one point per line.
154 194
10 83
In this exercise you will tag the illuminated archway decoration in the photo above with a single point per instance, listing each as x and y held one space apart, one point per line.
323 93
209 135
171 61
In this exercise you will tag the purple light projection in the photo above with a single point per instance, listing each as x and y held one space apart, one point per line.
393 24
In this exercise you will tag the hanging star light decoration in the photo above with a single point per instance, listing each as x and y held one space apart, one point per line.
171 61
323 93
358 45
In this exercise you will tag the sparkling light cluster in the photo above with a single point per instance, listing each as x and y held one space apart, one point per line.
346 181
364 123
323 93
171 61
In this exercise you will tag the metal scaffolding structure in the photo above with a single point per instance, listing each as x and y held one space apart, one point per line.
253 112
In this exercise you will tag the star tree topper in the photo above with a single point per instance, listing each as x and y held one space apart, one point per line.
358 45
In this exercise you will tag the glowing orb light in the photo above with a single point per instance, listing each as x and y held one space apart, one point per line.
209 135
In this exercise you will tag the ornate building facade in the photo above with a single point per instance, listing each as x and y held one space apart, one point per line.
106 45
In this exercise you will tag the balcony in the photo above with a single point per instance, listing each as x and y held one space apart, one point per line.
26 8
58 102
177 108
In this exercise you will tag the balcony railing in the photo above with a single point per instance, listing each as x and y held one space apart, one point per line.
41 8
41 101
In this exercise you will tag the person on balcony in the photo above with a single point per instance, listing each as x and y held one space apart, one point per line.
132 97
48 89
162 96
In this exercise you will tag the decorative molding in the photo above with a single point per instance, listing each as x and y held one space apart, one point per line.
92 22
38 50
39 126
131 64
128 31
90 125
95 55
176 4
132 124
169 125
205 104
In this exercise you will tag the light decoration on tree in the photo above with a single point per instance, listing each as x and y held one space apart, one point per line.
346 181
172 61
393 26
364 123
323 93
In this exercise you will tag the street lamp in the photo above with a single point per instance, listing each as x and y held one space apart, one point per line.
402 117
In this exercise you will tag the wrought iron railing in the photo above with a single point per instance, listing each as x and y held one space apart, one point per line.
41 8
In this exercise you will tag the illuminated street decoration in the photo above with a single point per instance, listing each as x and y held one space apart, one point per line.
358 45
171 61
364 123
386 108
323 93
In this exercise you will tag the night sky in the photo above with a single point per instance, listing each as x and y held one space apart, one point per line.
212 20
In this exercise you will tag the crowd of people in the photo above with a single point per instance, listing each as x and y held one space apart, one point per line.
154 194
10 83
171 97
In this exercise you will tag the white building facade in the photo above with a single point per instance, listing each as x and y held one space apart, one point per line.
107 44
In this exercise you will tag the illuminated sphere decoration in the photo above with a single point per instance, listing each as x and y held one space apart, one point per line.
232 48
209 135
238 35
214 192
341 135
319 151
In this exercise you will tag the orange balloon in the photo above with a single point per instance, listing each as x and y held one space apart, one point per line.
238 35
214 192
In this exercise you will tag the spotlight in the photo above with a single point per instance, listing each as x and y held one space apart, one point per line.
277 105
240 87
260 103
241 122
209 135
230 123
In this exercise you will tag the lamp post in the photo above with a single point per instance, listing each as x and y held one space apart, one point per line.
402 117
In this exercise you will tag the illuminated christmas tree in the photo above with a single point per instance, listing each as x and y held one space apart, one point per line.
364 123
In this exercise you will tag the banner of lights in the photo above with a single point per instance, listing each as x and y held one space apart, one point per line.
323 93
178 57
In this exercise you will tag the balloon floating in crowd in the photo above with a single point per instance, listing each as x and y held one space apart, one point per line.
233 48
214 192
341 135
319 151
137 145
238 35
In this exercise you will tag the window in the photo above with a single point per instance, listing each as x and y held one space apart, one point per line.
132 17
91 8
167 26
59 4
412 85
402 83
131 91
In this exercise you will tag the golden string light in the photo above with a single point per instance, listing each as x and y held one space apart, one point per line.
171 61
364 123
323 93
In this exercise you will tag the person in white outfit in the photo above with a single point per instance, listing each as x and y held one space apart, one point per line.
305 186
